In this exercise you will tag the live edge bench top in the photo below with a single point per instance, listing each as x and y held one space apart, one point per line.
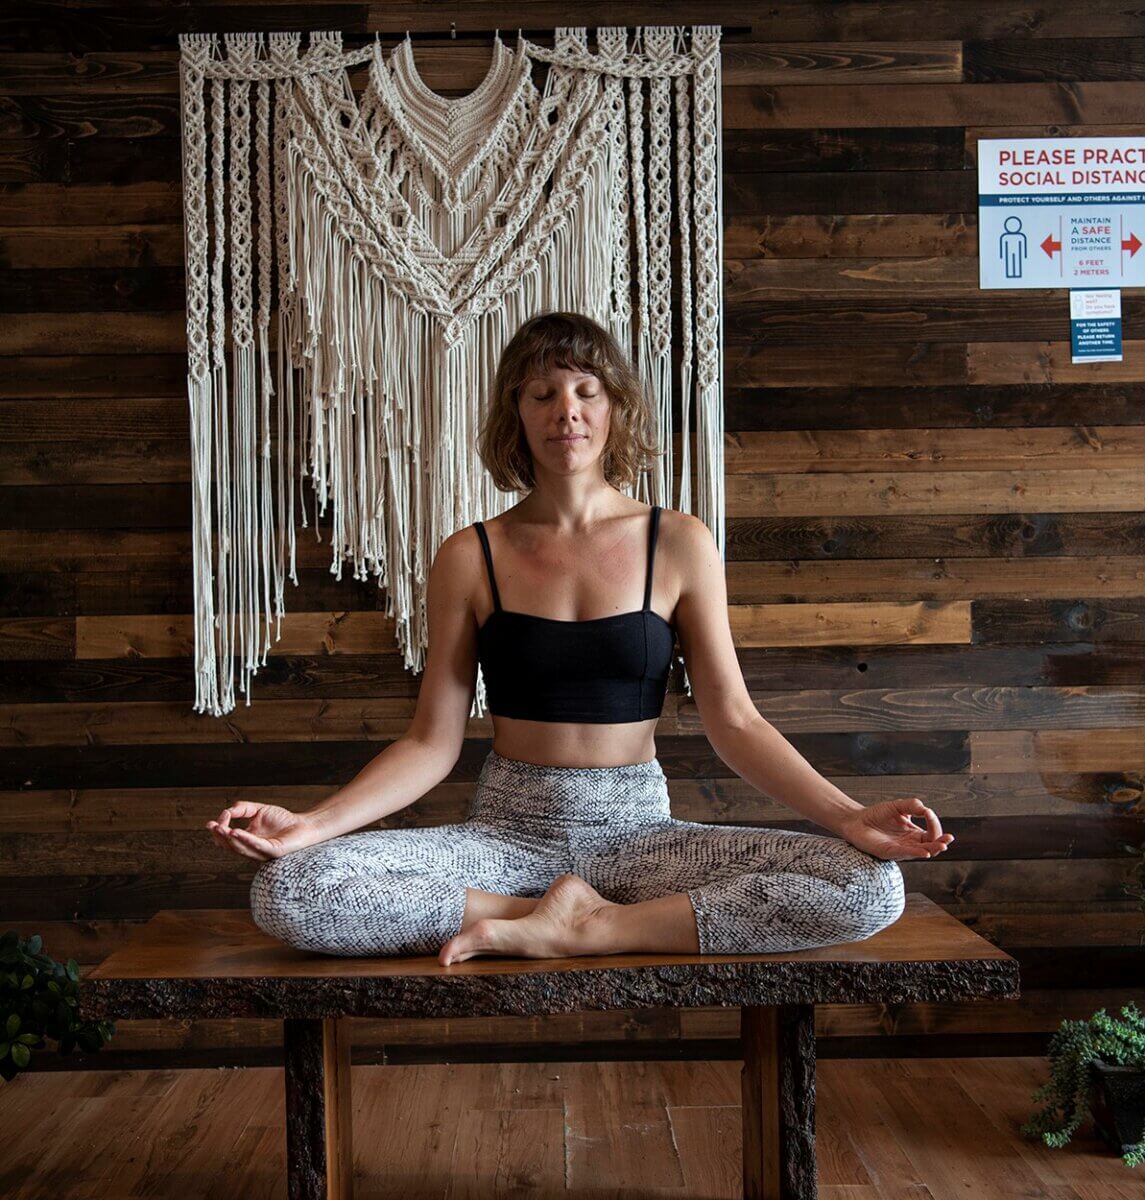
217 963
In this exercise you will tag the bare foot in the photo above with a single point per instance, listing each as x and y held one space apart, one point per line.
554 929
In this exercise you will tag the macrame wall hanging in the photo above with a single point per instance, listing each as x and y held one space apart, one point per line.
404 238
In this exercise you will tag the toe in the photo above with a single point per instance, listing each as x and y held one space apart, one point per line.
467 943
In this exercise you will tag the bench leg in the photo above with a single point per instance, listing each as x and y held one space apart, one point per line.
319 1154
778 1096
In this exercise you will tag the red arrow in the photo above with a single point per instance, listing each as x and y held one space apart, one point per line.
1133 245
1049 245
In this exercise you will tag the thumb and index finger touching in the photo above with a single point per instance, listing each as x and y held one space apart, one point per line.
913 806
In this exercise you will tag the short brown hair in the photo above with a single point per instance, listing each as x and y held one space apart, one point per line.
575 342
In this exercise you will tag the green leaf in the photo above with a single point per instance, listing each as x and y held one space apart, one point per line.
13 1025
21 1055
34 943
4 1047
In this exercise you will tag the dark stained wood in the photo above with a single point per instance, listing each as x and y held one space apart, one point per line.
850 192
91 332
893 104
151 27
848 406
906 319
79 375
1078 59
25 205
218 963
319 1152
32 162
778 1102
82 289
69 418
55 74
95 506
116 245
91 114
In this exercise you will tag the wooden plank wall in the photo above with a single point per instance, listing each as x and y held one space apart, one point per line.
936 549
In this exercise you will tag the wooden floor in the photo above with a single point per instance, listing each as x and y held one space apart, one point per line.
945 1129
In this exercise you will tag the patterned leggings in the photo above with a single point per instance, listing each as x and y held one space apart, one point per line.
402 891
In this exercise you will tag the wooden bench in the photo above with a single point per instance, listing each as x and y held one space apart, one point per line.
217 963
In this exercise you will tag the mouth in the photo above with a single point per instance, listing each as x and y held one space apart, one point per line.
577 438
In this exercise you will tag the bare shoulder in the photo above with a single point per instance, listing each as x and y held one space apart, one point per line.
457 567
691 548
459 548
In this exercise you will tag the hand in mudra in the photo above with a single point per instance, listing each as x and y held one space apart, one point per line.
272 831
887 831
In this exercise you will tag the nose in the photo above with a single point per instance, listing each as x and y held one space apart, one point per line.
568 411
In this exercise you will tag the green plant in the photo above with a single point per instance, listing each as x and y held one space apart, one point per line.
38 1000
1070 1087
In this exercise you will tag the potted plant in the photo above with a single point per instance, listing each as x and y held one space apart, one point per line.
38 1000
1096 1066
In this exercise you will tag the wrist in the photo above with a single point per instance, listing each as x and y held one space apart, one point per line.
317 826
847 818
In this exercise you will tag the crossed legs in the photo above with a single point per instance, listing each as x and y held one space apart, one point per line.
663 886
737 890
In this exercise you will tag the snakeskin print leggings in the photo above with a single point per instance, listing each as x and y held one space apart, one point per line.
402 891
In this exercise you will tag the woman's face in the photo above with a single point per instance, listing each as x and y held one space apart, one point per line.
565 414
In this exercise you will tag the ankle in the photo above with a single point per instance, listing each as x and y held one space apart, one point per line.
598 930
479 904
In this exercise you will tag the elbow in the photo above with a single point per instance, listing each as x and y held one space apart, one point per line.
444 751
728 734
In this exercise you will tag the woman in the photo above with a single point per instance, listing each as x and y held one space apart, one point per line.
569 847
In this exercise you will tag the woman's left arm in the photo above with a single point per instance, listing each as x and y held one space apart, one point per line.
753 747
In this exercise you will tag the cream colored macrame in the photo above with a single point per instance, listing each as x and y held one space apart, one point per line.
406 237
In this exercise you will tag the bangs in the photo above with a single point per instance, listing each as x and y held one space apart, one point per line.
571 353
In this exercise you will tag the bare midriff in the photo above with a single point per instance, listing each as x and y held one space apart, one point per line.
563 744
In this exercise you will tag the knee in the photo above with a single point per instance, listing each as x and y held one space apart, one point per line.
877 896
278 903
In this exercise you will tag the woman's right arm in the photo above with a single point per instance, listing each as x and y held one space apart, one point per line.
426 753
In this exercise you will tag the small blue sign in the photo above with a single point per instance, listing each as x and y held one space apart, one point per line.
1095 325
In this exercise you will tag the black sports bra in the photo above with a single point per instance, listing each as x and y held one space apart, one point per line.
605 670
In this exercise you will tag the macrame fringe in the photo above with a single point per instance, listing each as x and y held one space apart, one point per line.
375 384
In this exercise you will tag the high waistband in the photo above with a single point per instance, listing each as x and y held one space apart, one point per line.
509 788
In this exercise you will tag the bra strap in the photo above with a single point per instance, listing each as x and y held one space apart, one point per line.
653 530
480 527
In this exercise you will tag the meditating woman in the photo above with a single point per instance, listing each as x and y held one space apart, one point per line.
572 601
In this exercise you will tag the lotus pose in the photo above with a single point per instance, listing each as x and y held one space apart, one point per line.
572 602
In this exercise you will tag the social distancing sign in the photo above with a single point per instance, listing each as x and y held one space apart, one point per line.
1061 212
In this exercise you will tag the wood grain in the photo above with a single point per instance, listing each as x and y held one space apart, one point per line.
935 540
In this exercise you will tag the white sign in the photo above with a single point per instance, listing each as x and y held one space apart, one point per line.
1061 212
1095 325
